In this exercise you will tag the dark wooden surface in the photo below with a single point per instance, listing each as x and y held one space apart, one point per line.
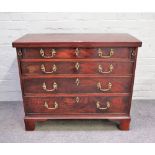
86 85
69 53
86 67
77 40
69 105
32 77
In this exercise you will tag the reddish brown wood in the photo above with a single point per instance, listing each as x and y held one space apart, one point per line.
69 53
122 78
86 85
124 124
32 119
29 124
123 119
77 40
114 117
69 105
73 76
80 60
89 67
75 94
133 77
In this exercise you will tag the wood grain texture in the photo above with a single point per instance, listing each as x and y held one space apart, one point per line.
86 85
77 40
70 53
85 105
31 119
89 67
72 99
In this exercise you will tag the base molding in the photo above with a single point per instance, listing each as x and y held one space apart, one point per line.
123 121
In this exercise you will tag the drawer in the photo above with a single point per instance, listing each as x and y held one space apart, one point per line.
71 105
77 85
69 53
76 67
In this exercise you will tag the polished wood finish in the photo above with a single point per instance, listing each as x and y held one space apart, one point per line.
29 124
76 105
70 53
85 67
77 40
30 119
86 85
77 76
124 124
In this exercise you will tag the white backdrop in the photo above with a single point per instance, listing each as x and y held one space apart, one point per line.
14 25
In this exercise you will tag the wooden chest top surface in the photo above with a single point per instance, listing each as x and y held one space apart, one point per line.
77 40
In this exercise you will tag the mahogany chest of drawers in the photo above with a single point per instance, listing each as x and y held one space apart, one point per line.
77 76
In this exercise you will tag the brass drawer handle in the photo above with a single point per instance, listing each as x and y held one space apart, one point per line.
104 90
77 52
55 87
42 53
47 106
100 53
100 69
102 108
54 68
77 66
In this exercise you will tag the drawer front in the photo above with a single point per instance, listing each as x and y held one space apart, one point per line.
77 67
69 53
71 105
78 85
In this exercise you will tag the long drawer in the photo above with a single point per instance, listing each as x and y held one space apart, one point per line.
70 53
76 67
71 105
77 85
